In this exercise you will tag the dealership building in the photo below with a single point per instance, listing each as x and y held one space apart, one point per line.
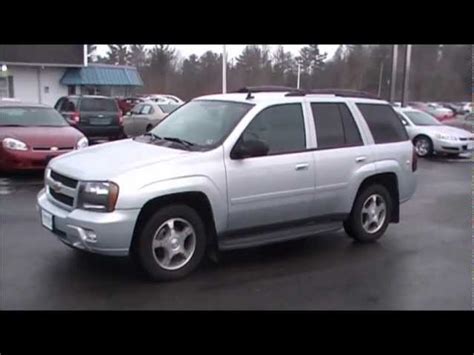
44 73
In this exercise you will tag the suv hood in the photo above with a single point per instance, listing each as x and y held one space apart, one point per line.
106 161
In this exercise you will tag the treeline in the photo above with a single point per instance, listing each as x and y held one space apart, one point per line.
438 72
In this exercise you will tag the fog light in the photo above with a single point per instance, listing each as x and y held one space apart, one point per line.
89 236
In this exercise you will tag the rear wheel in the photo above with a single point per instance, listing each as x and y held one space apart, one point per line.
172 243
423 146
370 214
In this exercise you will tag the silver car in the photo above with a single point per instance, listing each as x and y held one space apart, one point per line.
234 171
430 136
145 116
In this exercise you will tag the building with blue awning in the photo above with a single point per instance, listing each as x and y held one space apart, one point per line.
102 79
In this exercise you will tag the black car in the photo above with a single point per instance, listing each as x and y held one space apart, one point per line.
98 117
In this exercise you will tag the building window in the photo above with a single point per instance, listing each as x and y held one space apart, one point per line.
6 86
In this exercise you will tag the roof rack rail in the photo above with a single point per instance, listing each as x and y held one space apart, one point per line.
265 88
344 93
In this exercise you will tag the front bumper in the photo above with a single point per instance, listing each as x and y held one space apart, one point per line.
112 231
450 146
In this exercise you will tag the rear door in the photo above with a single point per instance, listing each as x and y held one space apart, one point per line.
142 121
129 121
96 111
339 156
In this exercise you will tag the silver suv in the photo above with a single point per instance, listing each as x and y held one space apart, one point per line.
234 171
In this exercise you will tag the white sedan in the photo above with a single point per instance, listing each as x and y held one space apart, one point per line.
430 136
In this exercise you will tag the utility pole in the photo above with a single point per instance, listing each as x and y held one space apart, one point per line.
394 72
224 70
406 75
380 80
299 74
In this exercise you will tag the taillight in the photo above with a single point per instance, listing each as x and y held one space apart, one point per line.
76 117
414 161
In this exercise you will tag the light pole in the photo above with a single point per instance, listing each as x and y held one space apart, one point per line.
394 72
406 75
224 70
380 79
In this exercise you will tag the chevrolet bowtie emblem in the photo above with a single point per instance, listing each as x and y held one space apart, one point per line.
56 186
54 149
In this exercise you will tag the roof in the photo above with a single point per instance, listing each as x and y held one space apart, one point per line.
21 104
101 74
279 97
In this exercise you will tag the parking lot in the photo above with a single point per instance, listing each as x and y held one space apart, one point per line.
421 263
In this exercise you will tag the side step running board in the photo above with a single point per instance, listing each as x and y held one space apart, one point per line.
277 236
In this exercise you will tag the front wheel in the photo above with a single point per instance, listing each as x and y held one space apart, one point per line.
370 214
172 243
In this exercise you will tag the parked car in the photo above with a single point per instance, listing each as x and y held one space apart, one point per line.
430 136
32 134
466 122
164 99
456 107
434 109
126 104
233 171
146 116
98 117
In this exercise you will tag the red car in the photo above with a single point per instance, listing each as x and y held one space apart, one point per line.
31 135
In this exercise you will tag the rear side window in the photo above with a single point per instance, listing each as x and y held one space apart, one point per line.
89 105
384 123
335 126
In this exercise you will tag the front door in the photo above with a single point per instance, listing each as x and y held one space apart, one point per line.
277 187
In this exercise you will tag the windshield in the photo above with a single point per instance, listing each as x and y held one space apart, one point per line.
202 122
31 116
167 108
421 118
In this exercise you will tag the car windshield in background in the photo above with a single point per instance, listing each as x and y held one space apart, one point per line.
90 105
167 108
31 116
422 119
202 122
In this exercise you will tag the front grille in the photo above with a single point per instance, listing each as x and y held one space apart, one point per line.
63 179
62 198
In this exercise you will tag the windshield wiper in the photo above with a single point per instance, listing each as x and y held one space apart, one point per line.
179 140
153 135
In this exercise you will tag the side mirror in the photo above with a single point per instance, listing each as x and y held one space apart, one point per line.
249 149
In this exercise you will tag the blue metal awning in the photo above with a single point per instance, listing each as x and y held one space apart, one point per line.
107 75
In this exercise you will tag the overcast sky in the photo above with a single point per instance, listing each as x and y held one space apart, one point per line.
232 50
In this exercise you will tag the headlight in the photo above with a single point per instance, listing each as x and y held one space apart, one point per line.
98 196
446 137
14 144
82 143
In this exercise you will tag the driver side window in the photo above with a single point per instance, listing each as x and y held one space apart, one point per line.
280 127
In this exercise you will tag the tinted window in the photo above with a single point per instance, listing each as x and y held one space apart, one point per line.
30 116
281 127
107 105
383 122
68 105
335 126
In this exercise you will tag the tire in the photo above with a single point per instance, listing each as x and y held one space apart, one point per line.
423 146
354 226
154 261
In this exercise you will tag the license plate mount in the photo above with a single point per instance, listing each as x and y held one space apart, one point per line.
47 220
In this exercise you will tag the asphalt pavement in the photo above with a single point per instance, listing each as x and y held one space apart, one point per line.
424 262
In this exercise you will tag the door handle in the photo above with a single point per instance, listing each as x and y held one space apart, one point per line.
302 166
360 159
